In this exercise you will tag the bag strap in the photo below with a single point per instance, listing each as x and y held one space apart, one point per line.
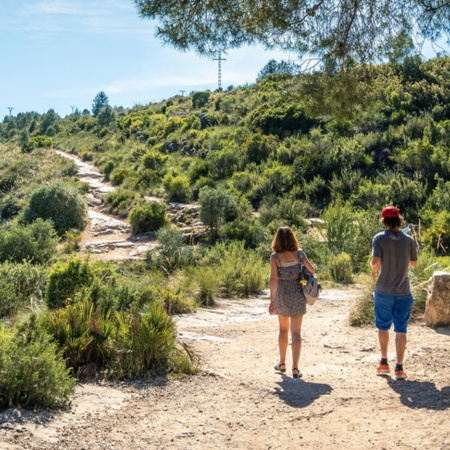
301 255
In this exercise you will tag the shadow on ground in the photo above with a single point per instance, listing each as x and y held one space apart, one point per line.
421 394
299 393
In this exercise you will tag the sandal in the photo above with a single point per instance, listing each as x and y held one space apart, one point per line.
280 367
296 373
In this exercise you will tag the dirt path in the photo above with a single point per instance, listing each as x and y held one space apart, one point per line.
238 401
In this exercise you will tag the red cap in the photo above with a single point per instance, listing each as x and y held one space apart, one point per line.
390 211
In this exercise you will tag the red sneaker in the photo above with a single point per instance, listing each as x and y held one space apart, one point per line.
400 375
383 369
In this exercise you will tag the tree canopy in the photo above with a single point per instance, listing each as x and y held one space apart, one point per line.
356 30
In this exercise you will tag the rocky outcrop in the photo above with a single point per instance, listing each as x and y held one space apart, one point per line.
437 309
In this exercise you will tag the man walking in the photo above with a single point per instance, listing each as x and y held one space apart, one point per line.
392 253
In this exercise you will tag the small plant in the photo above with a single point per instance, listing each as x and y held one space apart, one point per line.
208 286
66 279
35 243
21 285
150 216
362 311
340 267
32 370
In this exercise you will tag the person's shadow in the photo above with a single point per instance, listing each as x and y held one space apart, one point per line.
299 393
421 394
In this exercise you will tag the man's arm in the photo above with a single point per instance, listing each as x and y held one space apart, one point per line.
375 262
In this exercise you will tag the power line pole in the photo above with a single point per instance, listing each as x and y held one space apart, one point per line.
182 92
10 110
220 59
73 108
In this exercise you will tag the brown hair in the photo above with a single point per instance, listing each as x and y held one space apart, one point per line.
284 240
392 222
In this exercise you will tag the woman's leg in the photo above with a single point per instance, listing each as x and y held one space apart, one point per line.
283 337
296 328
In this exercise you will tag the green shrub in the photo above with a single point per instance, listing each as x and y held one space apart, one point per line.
150 216
241 272
59 203
66 279
35 243
340 267
82 331
154 160
37 142
207 285
120 200
362 313
32 370
177 188
146 344
250 232
172 251
214 205
20 285
437 236
339 225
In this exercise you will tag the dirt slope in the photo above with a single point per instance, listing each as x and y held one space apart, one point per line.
238 401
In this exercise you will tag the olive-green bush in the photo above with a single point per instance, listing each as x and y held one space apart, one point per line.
35 242
150 216
33 372
59 203
66 279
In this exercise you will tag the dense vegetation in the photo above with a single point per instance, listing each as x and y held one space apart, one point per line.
317 152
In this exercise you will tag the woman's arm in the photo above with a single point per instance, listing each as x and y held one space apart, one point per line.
273 283
307 264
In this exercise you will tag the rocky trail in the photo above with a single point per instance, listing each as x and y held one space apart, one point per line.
108 237
237 401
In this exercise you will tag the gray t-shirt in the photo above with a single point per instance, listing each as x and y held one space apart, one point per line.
395 251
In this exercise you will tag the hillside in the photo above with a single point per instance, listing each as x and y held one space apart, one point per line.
195 187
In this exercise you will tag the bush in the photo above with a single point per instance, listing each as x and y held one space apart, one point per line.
35 243
172 252
146 345
120 200
82 331
208 286
66 279
214 205
339 218
20 285
32 370
241 272
177 188
150 216
340 267
59 203
362 313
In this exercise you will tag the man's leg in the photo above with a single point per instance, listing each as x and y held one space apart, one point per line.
383 309
400 346
383 337
402 313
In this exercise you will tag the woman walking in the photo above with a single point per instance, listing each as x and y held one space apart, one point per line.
286 294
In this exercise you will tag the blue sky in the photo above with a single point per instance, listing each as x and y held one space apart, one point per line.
59 53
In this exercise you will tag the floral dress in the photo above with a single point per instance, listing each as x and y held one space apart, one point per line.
290 300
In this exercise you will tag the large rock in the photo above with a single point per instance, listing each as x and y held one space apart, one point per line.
437 309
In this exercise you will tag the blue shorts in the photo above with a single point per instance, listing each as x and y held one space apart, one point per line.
392 308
